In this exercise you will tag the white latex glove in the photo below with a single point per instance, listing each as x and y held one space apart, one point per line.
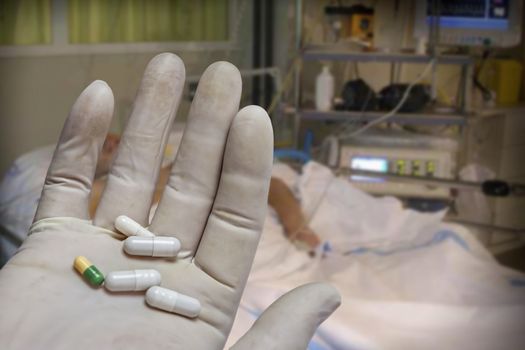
214 203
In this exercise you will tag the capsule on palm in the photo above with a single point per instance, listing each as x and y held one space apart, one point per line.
172 301
158 246
131 280
88 271
130 227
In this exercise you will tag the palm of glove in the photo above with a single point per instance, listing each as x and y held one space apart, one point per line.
50 306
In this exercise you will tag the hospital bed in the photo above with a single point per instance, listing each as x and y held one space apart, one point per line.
408 279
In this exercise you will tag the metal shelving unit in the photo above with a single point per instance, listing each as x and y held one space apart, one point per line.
334 53
401 118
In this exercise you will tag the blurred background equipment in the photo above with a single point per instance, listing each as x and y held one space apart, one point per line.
403 154
494 23
390 96
357 95
502 76
351 23
324 90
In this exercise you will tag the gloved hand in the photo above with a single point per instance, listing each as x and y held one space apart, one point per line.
214 203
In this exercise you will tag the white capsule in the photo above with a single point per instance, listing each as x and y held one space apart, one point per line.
157 246
169 300
130 227
131 280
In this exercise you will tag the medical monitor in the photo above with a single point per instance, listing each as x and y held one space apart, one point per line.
494 23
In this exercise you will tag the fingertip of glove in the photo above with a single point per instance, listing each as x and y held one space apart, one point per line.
254 110
223 67
93 109
323 293
225 74
98 88
251 136
101 84
167 63
256 116
331 296
327 290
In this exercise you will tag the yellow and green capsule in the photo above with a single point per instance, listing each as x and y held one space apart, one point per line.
88 271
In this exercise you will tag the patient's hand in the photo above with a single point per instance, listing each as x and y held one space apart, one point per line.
291 216
307 237
214 202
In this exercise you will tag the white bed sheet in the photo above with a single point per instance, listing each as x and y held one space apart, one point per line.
408 280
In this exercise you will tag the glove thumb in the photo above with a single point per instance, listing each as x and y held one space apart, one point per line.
290 322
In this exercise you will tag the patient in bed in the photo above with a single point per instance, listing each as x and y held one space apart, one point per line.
22 184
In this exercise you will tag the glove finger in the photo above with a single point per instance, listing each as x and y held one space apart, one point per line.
228 244
70 176
291 321
191 188
131 182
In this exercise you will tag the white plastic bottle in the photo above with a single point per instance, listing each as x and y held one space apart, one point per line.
324 90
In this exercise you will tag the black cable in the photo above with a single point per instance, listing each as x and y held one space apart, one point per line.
487 95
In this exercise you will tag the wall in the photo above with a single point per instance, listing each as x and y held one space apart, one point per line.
37 92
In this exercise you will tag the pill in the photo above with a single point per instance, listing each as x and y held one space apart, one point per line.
171 301
88 271
131 280
157 246
130 227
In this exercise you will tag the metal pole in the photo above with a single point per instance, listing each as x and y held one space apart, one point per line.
297 85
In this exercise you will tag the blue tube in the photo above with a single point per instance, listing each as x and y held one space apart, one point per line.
288 153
